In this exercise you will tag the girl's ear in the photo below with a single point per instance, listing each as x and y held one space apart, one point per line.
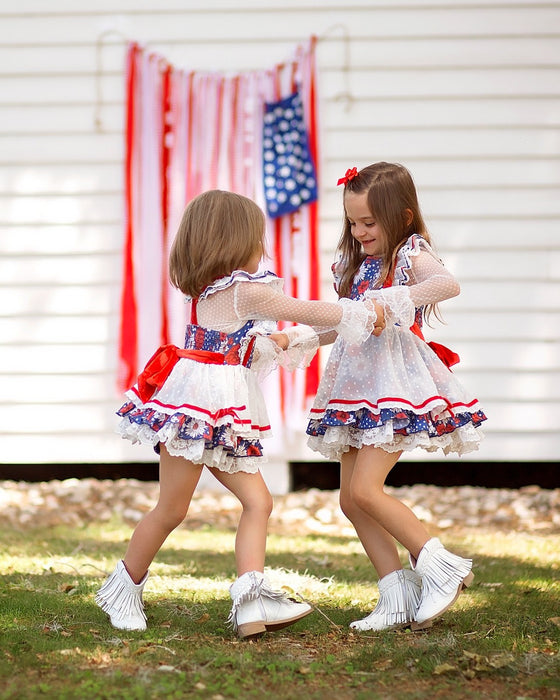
408 216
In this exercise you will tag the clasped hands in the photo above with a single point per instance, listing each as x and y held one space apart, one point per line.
372 305
282 340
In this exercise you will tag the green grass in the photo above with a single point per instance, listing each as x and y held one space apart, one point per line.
499 641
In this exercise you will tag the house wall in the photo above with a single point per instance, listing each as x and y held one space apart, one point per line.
465 94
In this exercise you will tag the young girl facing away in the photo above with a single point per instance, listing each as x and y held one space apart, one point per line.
393 393
202 406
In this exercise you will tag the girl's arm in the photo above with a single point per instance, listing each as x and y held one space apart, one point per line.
429 283
355 321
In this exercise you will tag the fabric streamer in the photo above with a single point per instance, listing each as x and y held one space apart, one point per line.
190 131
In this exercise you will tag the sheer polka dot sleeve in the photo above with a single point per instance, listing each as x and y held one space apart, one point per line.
351 319
430 282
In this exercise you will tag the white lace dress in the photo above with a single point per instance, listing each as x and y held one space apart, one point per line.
203 401
394 391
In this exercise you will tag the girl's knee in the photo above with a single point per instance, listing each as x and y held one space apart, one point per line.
356 501
170 518
261 505
348 506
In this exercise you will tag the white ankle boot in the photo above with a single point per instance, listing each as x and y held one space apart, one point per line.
399 595
121 599
257 608
444 575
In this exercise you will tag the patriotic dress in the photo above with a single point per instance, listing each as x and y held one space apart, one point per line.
396 391
203 401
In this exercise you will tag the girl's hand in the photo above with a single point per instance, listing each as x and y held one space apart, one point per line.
380 322
281 339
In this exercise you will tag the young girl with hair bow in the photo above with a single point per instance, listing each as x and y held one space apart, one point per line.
392 394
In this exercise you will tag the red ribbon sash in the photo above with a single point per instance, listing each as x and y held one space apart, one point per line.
161 363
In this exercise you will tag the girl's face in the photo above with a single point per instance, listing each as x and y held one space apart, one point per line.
363 225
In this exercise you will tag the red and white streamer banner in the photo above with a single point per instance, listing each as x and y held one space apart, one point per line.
187 132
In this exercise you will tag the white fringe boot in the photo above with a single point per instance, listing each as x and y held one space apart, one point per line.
444 575
399 596
257 608
121 599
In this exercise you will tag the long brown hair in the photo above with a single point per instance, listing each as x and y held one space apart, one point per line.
390 193
220 232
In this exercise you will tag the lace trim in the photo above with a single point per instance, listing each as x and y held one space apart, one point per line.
411 248
303 344
192 439
397 304
357 322
335 441
239 276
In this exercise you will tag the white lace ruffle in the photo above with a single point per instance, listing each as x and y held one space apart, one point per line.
268 356
357 322
397 304
403 264
240 276
303 344
338 440
191 450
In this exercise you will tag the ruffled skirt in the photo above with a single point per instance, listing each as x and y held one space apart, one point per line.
207 413
392 392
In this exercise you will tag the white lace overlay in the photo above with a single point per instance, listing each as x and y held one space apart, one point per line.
393 391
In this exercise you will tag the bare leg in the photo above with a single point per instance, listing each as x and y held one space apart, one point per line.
378 544
250 541
177 481
377 516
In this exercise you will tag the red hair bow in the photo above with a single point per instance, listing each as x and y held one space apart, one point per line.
350 174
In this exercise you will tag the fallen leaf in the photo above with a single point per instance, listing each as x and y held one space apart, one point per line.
444 668
500 660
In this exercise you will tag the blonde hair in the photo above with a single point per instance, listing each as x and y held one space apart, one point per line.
390 193
219 233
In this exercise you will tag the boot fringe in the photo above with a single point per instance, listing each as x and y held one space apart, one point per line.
119 600
399 597
251 586
444 575
246 588
448 571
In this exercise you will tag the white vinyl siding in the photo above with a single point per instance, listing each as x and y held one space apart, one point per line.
465 94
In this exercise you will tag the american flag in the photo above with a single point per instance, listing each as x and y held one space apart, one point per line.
288 169
187 132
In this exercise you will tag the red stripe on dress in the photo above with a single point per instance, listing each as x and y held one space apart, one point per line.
231 412
360 403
